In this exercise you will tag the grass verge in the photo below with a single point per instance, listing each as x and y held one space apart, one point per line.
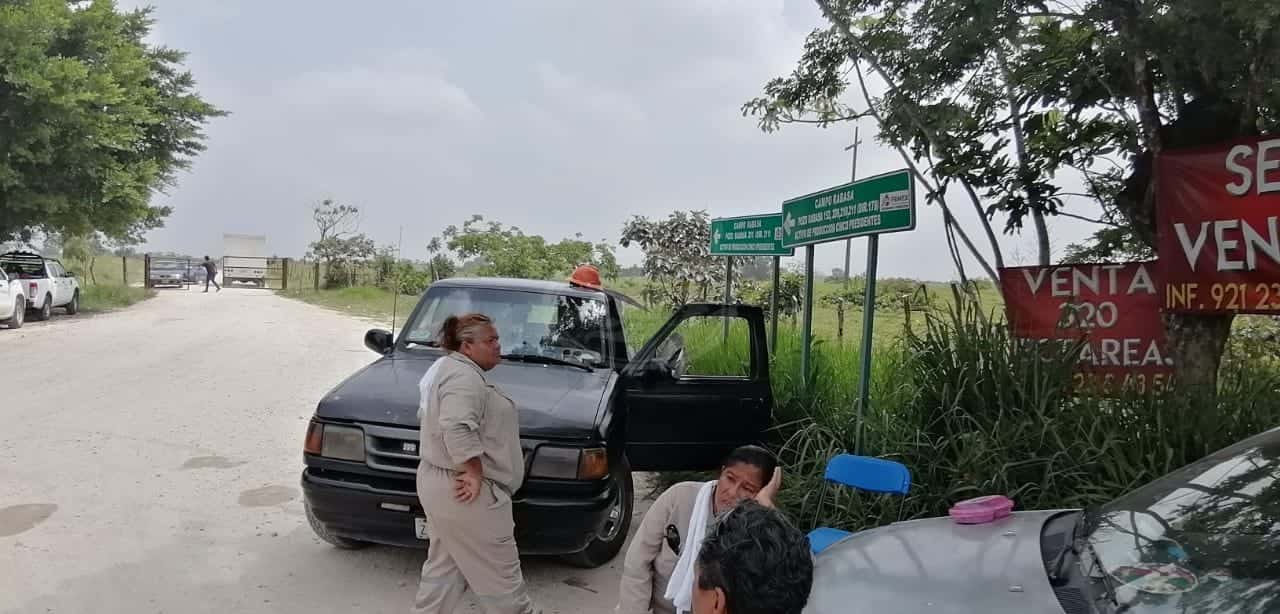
361 301
107 297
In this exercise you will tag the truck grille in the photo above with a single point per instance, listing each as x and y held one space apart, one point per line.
391 449
396 449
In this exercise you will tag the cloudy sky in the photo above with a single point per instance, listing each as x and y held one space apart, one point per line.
559 117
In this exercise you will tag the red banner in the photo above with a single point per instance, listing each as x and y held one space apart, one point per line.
1217 233
1115 308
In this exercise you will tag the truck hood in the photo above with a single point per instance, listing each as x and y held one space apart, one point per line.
937 566
553 401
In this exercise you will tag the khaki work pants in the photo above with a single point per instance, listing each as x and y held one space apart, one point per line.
472 546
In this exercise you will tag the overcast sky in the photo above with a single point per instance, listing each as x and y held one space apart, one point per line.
558 117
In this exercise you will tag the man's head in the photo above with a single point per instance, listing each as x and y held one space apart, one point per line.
753 562
745 471
206 258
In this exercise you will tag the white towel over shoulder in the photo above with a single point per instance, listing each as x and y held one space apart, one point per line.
424 386
680 587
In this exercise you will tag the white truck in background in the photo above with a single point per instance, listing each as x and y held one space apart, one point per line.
244 259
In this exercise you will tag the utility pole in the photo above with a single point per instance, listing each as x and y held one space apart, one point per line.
848 243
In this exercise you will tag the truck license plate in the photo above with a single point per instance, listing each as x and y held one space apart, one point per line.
420 527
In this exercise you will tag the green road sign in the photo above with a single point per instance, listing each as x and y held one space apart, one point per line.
884 203
749 235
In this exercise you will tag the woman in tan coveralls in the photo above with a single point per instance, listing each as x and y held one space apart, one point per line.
471 464
749 472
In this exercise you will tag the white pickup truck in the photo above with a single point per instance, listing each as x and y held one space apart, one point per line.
46 283
13 301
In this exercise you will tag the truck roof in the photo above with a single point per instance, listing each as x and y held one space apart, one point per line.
525 285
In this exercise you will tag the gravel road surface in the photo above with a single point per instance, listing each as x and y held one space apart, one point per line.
149 462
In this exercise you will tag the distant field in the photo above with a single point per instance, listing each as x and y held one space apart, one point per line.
362 301
889 323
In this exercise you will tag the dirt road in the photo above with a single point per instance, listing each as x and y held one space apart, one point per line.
152 466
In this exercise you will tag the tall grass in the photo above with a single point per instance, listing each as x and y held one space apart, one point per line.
971 411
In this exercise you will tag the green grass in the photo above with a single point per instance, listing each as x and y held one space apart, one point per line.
108 271
98 298
361 301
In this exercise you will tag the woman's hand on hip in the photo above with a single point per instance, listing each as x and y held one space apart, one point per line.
466 485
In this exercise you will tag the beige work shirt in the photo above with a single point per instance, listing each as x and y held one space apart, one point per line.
650 561
464 417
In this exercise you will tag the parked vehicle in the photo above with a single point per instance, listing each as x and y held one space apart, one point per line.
195 274
167 272
590 413
1204 538
46 283
13 301
244 260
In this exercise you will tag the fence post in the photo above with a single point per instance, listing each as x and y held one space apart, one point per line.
124 270
146 270
316 278
284 274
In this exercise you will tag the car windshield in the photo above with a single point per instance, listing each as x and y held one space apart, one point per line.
1202 539
167 266
24 269
528 323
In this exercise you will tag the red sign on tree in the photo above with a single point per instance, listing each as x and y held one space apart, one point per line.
1217 231
1114 308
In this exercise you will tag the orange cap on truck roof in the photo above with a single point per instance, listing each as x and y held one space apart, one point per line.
586 276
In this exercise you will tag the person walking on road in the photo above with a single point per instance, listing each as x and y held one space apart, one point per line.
210 271
471 465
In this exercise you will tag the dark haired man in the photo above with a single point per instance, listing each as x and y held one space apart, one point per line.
753 562
658 571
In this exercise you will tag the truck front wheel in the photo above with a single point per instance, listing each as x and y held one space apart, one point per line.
323 533
613 533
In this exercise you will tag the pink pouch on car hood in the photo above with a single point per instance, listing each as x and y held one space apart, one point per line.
981 509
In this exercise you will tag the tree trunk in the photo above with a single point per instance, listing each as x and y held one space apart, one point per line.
1197 342
1020 150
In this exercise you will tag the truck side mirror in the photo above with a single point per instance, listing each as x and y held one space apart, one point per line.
378 340
654 370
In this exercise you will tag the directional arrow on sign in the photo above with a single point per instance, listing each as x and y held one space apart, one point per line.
716 238
788 223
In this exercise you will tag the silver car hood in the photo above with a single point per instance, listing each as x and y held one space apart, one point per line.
939 567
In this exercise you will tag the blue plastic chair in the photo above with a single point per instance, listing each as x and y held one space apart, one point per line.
875 475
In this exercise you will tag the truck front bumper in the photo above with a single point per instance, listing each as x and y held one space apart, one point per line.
384 513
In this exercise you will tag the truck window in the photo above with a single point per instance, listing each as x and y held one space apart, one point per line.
560 326
698 347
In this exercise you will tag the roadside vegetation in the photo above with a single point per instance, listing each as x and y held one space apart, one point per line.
98 298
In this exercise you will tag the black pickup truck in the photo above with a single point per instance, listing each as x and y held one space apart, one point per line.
590 413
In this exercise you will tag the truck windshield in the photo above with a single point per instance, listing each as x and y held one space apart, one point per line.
1202 539
558 326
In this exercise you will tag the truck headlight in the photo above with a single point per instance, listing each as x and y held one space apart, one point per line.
564 463
335 441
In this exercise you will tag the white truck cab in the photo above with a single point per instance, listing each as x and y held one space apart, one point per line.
45 283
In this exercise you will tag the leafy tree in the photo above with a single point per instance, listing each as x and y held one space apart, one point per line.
93 120
1007 100
677 255
339 246
506 251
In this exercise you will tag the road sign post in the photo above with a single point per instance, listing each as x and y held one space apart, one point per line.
869 207
773 305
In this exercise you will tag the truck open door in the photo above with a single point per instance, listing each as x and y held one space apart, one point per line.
698 388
